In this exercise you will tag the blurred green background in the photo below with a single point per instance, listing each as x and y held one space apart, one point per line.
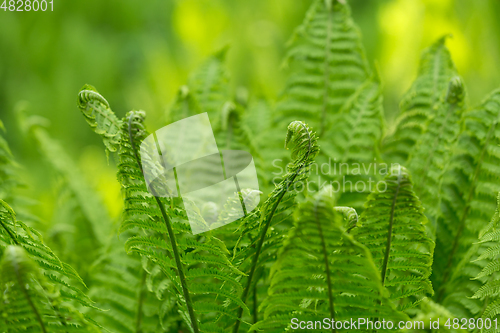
138 54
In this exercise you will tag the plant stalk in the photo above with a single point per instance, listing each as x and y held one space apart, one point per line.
262 237
173 243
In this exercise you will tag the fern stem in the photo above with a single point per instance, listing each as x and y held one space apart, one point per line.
173 243
180 268
140 302
254 298
327 267
389 232
255 259
263 233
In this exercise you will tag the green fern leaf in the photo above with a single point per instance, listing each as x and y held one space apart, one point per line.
431 155
482 293
419 103
304 149
328 64
14 232
30 303
196 262
322 272
354 142
392 228
129 291
468 201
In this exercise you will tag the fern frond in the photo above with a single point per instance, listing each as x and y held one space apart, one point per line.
322 272
473 289
467 194
99 116
418 105
29 302
431 155
463 283
354 141
392 228
350 215
304 149
232 133
187 261
123 287
14 232
328 64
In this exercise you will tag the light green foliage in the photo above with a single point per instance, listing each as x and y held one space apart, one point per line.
419 103
97 218
392 228
440 316
322 272
350 215
327 62
17 233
